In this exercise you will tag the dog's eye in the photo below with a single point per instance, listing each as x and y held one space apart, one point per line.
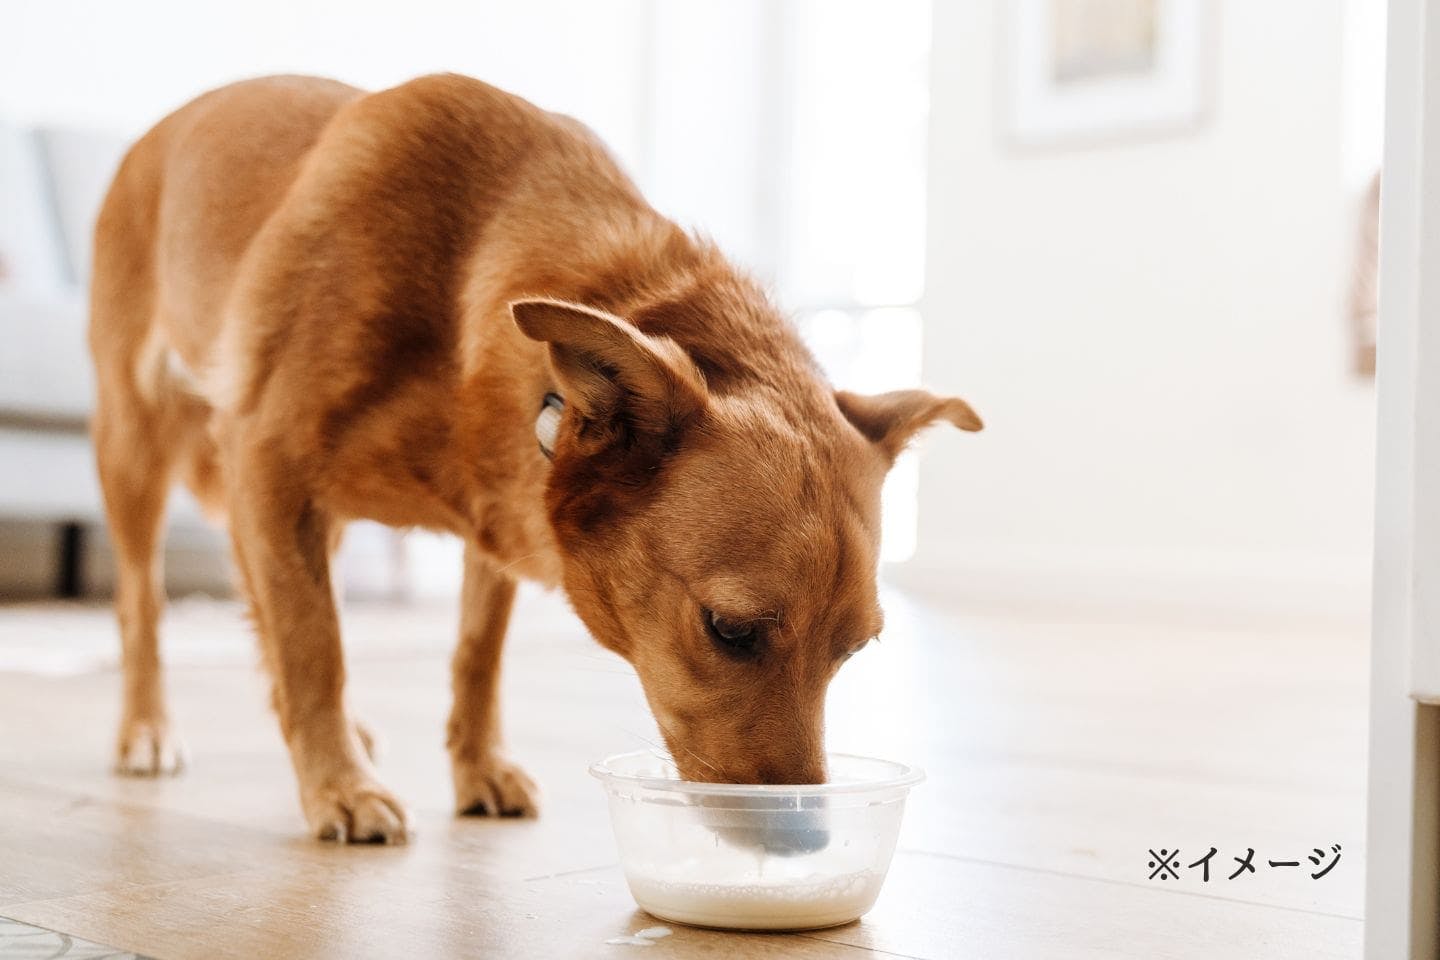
732 636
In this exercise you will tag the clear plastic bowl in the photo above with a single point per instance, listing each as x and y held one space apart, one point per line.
756 857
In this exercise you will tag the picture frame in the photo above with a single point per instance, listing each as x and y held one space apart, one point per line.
1078 71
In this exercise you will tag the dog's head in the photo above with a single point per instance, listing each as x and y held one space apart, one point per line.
723 535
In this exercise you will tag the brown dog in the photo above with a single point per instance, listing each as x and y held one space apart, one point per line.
314 304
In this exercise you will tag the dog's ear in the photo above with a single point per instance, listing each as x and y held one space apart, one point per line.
890 420
608 369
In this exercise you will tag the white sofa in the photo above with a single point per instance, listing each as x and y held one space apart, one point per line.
52 181
51 184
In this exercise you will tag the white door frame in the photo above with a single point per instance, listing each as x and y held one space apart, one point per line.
1404 793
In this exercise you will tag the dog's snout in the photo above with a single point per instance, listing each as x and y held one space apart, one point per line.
808 772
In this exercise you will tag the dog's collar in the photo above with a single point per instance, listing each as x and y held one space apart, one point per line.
547 424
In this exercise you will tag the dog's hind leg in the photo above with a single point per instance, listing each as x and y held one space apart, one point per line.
136 462
485 781
137 430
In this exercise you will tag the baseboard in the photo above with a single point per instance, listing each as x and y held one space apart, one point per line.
1197 586
196 560
28 552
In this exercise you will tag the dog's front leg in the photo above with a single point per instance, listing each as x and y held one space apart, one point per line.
281 544
485 781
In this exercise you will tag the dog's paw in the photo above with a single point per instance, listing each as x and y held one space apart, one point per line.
493 786
148 748
355 809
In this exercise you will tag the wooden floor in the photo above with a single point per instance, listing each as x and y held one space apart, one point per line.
1059 754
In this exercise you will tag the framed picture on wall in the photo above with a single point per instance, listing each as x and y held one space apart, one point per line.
1086 70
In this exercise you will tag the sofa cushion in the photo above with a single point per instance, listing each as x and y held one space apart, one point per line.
81 165
55 478
32 258
45 370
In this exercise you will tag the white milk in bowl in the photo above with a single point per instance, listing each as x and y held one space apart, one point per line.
793 903
761 857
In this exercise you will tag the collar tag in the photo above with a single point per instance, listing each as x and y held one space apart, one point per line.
547 424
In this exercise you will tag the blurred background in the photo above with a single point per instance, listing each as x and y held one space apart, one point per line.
1133 233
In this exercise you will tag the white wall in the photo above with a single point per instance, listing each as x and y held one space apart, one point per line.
1152 330
121 66
1154 334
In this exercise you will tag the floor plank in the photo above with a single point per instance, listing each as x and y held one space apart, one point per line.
1058 754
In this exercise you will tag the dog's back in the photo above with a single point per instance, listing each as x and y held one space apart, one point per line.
184 206
246 223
